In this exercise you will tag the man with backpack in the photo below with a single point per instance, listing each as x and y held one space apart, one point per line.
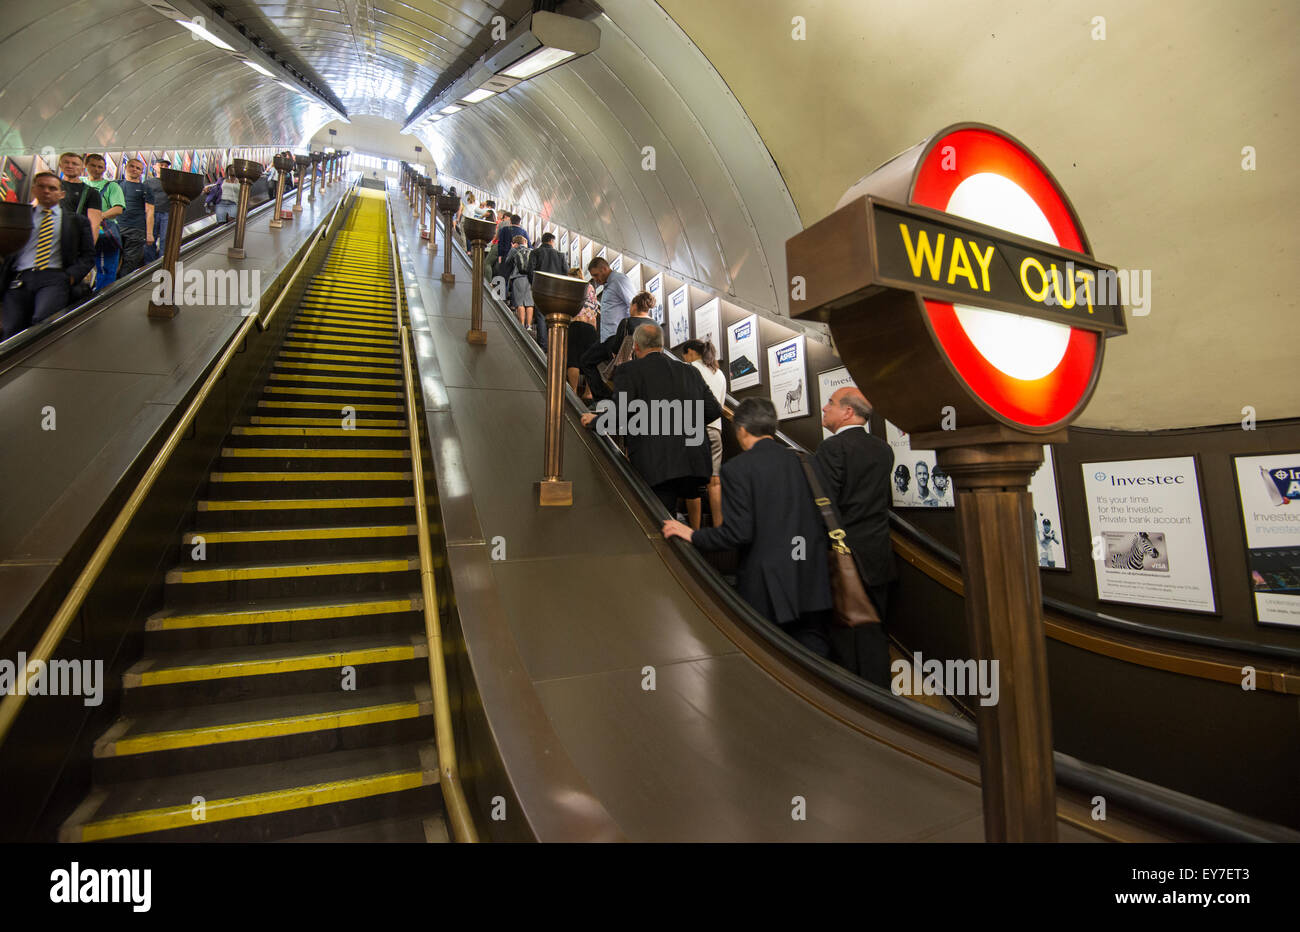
108 241
546 258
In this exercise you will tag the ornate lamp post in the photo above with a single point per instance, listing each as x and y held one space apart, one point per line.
302 162
247 171
448 204
283 162
180 188
478 233
316 159
558 297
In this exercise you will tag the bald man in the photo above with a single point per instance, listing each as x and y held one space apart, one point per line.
857 468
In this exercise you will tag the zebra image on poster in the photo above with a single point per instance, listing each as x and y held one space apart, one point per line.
1148 533
917 481
679 317
656 288
742 353
708 325
787 373
1269 487
828 383
1047 514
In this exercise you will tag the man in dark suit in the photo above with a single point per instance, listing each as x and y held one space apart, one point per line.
856 468
669 446
37 280
545 258
600 353
769 516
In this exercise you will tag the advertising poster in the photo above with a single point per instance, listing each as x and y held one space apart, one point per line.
1047 515
679 317
708 325
1269 487
633 273
656 287
575 255
615 262
586 256
564 248
1148 533
828 383
918 482
787 370
742 353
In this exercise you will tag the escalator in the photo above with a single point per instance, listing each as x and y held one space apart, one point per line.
284 692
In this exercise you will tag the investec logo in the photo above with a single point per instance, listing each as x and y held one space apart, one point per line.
1142 480
208 288
787 354
1286 481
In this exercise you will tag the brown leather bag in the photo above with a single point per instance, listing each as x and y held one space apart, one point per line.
606 369
852 605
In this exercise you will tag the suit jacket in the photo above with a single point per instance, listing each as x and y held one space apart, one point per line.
766 504
660 455
76 244
856 467
547 259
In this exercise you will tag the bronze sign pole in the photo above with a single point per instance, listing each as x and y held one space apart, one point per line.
435 192
558 297
247 172
302 162
478 233
316 159
448 204
283 162
180 188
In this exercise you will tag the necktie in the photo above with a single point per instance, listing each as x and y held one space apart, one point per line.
45 239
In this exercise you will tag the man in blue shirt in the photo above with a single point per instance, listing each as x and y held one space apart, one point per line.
137 217
615 300
507 233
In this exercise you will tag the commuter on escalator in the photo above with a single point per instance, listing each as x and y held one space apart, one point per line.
519 290
137 219
702 355
162 211
856 468
80 198
545 258
769 516
108 243
37 280
619 346
616 299
582 335
672 456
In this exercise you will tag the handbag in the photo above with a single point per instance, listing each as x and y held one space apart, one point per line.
852 604
606 369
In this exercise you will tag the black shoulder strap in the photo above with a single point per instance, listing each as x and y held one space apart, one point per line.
85 192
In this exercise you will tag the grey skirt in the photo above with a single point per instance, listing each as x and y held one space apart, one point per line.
521 293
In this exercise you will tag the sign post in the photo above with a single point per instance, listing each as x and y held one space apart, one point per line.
963 297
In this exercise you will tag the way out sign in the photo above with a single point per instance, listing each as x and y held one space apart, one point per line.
958 274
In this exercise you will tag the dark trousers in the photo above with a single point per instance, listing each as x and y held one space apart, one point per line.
670 491
587 365
864 650
812 630
39 295
132 251
539 322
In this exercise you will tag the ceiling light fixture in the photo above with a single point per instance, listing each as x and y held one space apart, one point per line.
475 96
204 34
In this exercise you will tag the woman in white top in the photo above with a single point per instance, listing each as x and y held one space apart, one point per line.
702 355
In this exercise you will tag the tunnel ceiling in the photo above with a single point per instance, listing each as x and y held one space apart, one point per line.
757 133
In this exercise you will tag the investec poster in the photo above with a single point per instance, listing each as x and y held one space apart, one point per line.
917 481
633 273
742 353
575 255
586 256
679 317
708 326
656 288
615 263
828 383
564 248
1047 514
1148 529
787 373
1270 506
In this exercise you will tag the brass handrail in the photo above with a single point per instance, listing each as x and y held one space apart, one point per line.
12 704
462 823
264 322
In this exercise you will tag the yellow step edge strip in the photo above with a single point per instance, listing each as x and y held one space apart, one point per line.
267 728
320 476
339 335
342 394
327 406
239 807
315 453
341 319
314 432
361 307
281 615
332 380
169 676
374 331
296 504
299 533
321 344
330 367
359 356
291 571
319 422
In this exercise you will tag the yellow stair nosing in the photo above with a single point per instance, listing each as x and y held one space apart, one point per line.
260 616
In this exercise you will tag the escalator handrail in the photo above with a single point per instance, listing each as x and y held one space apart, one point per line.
77 314
11 704
1189 813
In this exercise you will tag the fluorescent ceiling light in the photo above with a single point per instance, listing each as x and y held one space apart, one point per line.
478 95
288 87
204 34
452 109
537 62
256 67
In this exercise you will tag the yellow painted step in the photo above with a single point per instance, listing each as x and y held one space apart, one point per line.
298 504
298 533
327 406
292 570
262 616
320 422
330 367
326 476
325 660
361 356
333 379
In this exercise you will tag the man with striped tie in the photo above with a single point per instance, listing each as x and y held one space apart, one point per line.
37 280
